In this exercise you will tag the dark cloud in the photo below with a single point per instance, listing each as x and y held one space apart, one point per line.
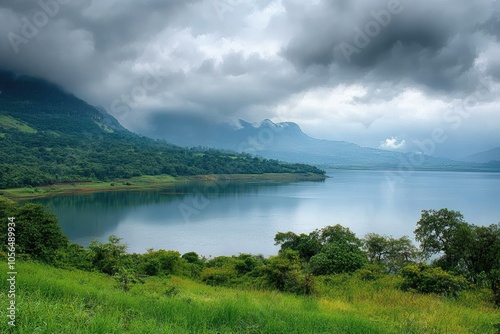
430 44
262 59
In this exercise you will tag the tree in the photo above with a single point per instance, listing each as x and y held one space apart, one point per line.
306 245
37 231
392 254
338 257
108 257
479 252
340 252
285 273
332 249
338 233
439 231
473 251
376 247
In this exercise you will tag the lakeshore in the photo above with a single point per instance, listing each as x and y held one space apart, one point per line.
147 182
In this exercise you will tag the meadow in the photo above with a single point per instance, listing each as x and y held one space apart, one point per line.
54 300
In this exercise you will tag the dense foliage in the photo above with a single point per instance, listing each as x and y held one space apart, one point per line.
465 249
425 279
302 260
48 136
37 232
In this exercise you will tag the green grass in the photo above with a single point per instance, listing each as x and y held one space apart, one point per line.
9 122
53 300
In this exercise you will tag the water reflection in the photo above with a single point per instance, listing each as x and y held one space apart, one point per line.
232 217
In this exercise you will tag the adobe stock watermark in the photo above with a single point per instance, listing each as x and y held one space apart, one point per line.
11 272
453 118
223 6
150 82
31 27
373 28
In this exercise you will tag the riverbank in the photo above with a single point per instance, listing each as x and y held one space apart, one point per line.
149 183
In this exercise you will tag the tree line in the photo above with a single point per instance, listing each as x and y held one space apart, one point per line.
452 256
46 158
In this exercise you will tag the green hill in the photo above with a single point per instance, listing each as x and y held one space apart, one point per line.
49 136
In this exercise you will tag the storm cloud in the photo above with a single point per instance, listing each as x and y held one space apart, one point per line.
360 71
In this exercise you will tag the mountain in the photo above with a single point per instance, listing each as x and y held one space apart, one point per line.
48 135
283 141
485 156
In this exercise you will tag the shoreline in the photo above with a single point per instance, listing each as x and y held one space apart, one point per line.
147 182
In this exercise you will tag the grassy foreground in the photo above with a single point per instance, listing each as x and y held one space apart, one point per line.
148 183
51 300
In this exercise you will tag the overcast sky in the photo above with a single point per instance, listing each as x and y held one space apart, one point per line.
400 75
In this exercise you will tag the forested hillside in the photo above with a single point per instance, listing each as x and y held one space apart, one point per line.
49 136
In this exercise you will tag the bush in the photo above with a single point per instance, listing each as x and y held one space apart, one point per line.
336 258
425 279
370 272
218 275
125 278
161 262
38 235
108 257
286 273
74 256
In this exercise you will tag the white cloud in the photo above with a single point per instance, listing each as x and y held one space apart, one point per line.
392 144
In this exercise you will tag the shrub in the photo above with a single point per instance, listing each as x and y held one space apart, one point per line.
108 257
426 279
161 262
37 232
286 273
370 272
336 258
74 256
218 275
125 278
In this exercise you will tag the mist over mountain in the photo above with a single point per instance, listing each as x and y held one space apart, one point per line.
49 136
283 141
485 156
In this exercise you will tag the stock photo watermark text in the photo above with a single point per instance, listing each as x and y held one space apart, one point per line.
11 272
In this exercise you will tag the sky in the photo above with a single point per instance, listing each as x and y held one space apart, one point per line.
398 75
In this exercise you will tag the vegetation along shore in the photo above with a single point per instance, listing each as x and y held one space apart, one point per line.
326 281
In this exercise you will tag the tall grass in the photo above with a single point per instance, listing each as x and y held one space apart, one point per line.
53 300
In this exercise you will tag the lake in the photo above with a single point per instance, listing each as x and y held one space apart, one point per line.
228 218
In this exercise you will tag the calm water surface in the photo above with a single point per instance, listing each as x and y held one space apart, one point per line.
231 218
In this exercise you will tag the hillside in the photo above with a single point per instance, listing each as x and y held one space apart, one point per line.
49 136
283 141
55 300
